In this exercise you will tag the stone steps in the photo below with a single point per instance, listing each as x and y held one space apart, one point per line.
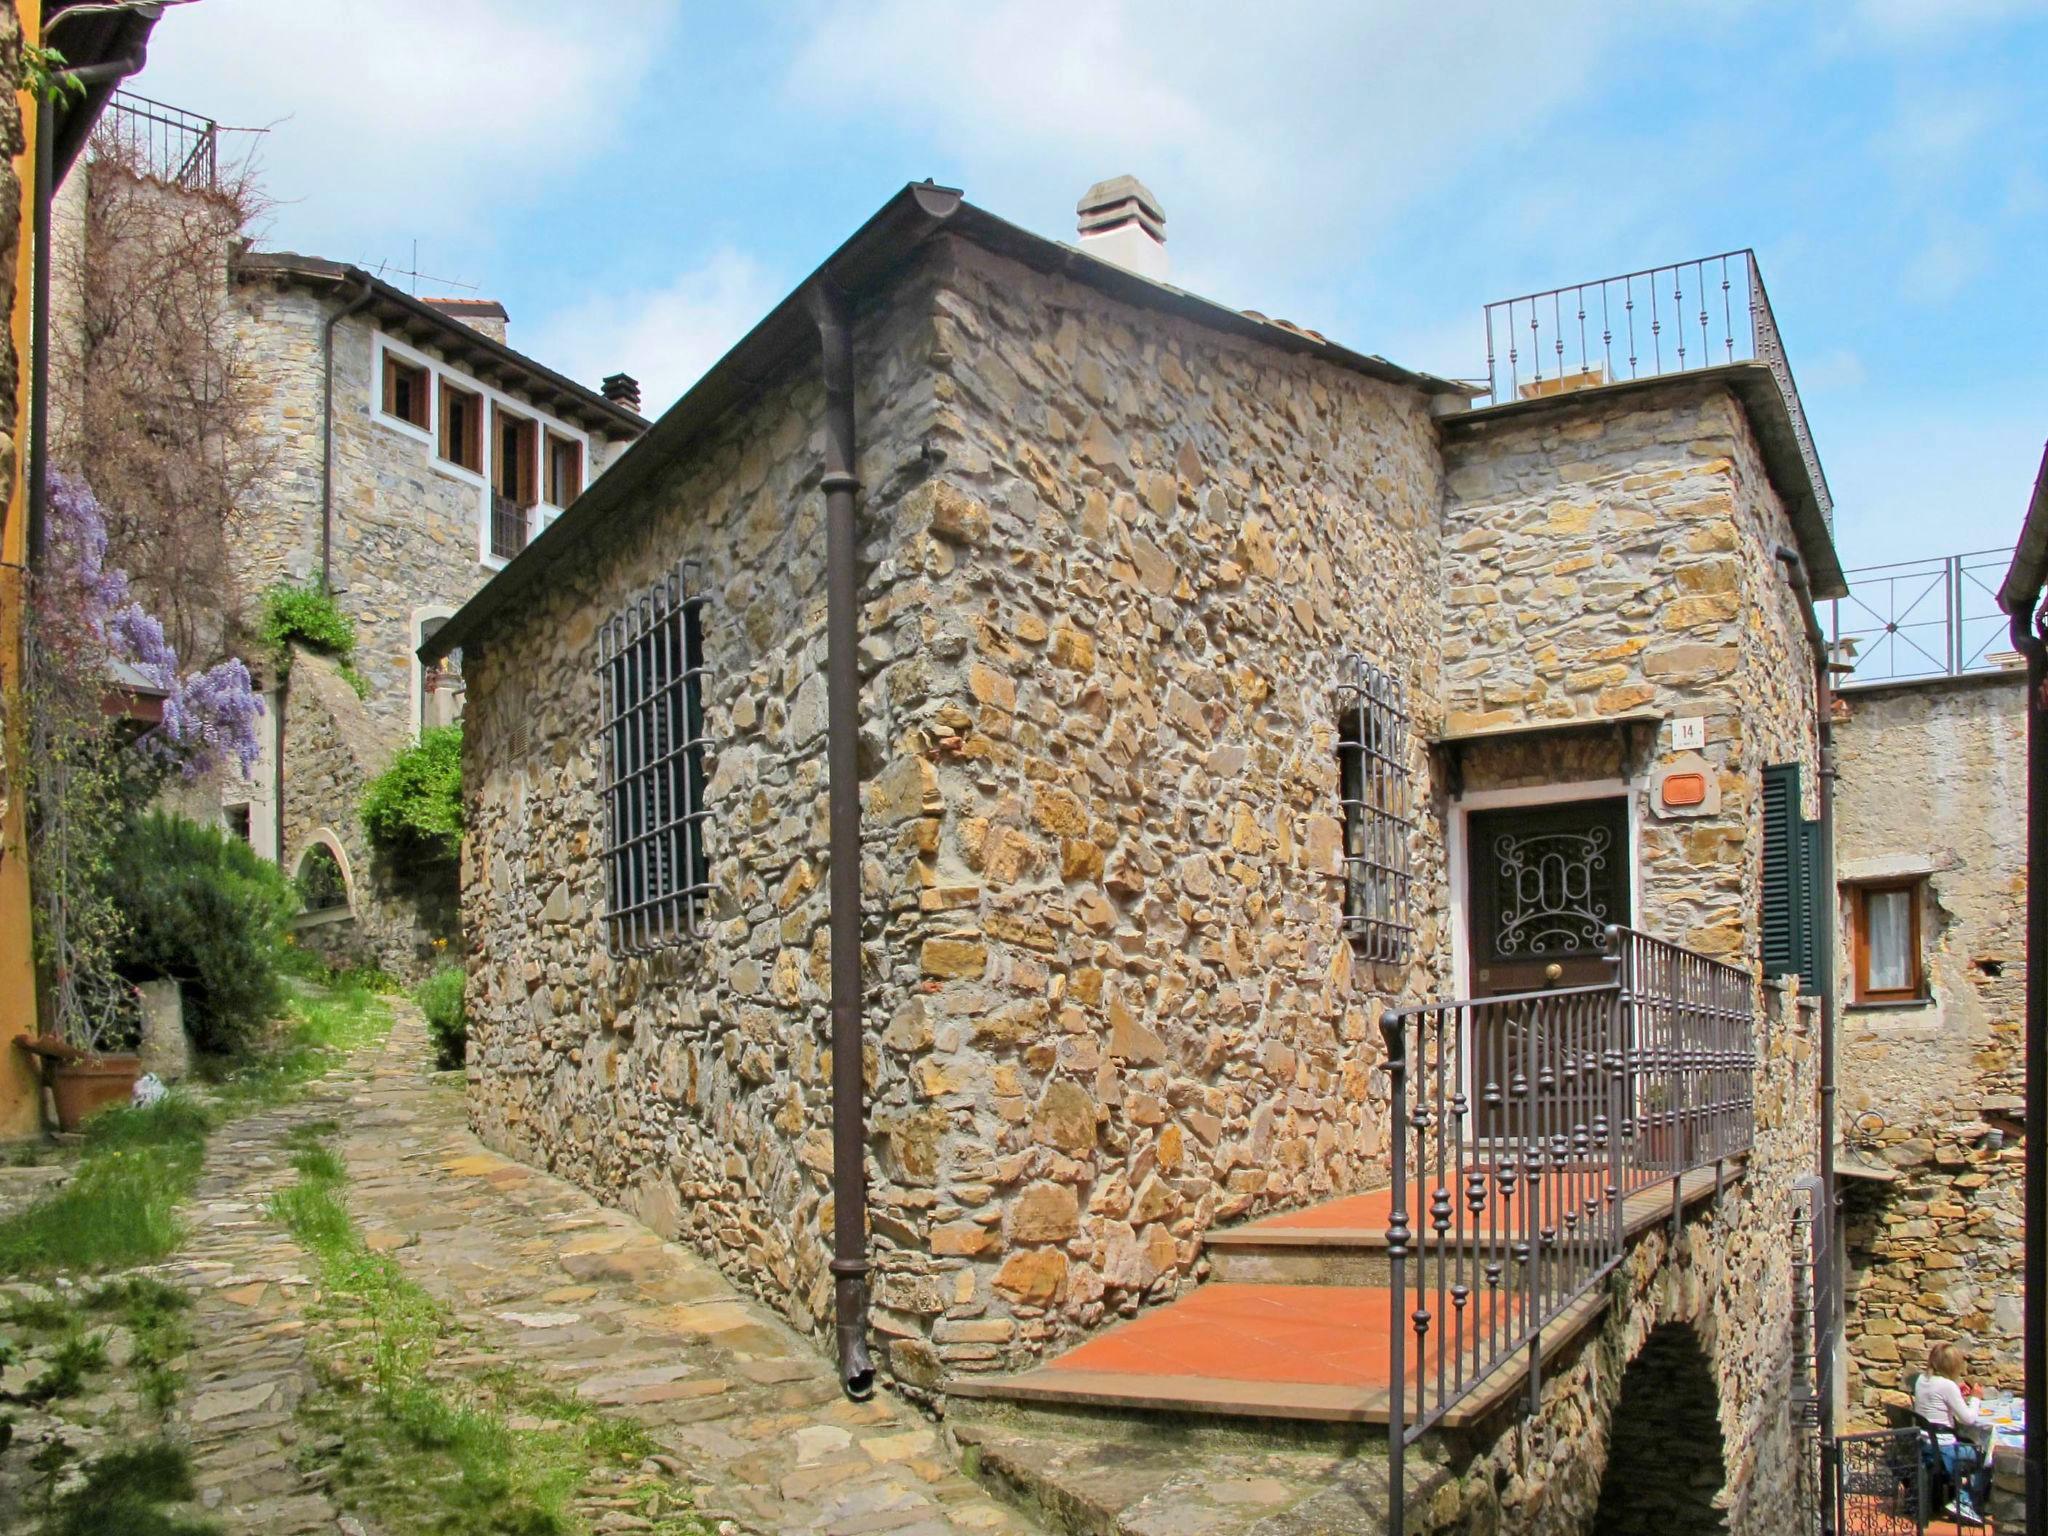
1283 1353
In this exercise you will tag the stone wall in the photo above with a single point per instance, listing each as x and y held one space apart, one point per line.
1137 1015
1616 554
405 918
692 1087
1932 785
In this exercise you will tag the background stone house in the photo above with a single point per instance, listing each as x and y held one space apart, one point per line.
1120 551
449 451
1931 860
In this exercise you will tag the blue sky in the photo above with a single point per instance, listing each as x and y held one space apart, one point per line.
639 187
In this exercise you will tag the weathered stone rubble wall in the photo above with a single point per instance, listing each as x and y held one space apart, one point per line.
406 919
1615 556
693 1087
1727 1276
1932 784
1138 1014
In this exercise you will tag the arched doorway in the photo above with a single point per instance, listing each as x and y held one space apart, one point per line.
1665 1469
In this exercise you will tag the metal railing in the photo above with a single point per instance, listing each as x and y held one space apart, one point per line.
1921 618
1880 1485
1665 320
160 141
510 522
1522 1124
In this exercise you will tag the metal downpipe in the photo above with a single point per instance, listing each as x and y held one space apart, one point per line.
1824 962
842 737
2026 638
327 436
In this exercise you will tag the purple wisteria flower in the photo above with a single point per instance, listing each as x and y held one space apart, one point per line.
89 616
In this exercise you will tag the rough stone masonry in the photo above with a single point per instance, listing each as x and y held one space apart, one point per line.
1110 560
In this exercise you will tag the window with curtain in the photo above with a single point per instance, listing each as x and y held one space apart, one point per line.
1884 942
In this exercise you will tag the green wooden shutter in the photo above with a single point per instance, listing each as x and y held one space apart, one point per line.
1813 908
1783 927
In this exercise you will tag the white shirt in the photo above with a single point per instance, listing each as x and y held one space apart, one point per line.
1940 1401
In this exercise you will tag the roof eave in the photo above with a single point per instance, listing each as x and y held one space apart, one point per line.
401 311
2020 593
877 248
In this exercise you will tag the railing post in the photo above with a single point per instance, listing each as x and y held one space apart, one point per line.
1393 1029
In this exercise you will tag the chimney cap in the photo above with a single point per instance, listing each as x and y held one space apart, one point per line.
622 389
1118 201
468 309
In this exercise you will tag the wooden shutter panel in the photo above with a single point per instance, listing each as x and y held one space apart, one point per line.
1813 907
1782 922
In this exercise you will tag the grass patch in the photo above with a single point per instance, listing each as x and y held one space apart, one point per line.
120 1208
152 1312
443 1454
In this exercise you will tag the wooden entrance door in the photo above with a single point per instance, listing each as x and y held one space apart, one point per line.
1544 883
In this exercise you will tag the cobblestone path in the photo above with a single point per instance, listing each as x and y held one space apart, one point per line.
248 1367
585 1297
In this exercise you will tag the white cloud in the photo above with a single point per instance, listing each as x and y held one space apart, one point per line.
1274 137
395 120
1920 21
665 337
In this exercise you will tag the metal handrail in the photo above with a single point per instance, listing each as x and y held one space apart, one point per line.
161 141
1653 315
1530 1119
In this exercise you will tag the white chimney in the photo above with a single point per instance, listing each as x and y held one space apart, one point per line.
1121 222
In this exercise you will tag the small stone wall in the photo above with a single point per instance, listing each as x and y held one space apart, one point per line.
1932 785
405 919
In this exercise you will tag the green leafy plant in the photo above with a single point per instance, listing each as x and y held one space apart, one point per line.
306 614
206 908
414 807
46 75
441 999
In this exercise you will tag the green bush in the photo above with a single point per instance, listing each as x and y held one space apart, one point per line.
205 908
414 807
307 615
440 998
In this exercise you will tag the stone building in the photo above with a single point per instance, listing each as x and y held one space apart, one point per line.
1219 688
409 453
1931 864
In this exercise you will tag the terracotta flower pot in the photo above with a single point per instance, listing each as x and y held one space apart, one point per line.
92 1083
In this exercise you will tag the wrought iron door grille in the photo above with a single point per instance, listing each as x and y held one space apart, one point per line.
1372 759
651 668
1521 1126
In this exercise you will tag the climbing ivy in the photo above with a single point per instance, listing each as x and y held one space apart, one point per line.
414 807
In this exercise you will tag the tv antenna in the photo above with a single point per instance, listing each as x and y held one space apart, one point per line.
413 274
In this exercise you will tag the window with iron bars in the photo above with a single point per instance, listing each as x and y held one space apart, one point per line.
651 668
1372 761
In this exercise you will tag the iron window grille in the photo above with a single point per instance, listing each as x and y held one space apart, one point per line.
1372 759
651 668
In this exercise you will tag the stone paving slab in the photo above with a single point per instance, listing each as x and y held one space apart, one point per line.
600 1307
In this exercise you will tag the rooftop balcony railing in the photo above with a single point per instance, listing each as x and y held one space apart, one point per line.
1522 1125
164 142
1660 321
1921 619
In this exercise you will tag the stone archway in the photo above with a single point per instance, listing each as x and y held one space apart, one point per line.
1666 1470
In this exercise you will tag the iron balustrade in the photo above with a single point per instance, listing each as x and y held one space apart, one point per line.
1703 313
164 142
1922 618
1522 1124
510 521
